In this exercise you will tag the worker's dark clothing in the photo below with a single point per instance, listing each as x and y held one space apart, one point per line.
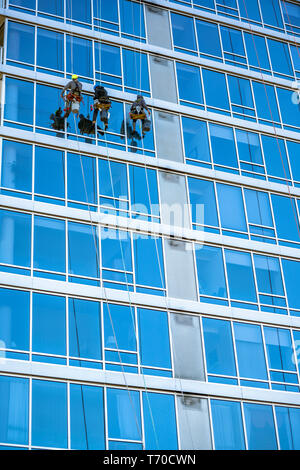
102 103
139 108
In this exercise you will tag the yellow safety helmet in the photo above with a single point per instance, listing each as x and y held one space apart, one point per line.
74 77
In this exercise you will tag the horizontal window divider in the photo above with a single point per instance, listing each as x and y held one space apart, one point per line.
154 103
150 162
181 56
144 227
139 382
182 306
166 5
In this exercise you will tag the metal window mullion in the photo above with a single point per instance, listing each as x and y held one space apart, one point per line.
105 416
235 351
244 424
226 275
69 413
203 347
141 395
268 366
295 356
30 412
211 426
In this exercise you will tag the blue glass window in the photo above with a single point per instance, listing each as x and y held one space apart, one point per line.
79 56
15 238
208 38
259 215
85 329
154 338
20 43
83 244
14 410
232 212
78 11
240 276
48 324
203 204
275 158
183 33
227 425
119 327
132 19
116 258
108 64
257 53
149 250
16 166
249 10
294 152
113 185
49 414
291 271
286 219
87 417
14 319
16 92
189 84
288 423
159 421
108 12
268 275
291 14
279 349
233 45
271 13
124 415
260 427
135 69
266 104
82 179
250 153
49 244
49 173
46 98
258 207
289 111
215 91
53 43
249 343
218 347
223 146
54 8
210 268
195 137
241 97
143 191
280 57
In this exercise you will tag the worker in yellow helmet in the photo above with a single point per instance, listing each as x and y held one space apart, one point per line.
73 98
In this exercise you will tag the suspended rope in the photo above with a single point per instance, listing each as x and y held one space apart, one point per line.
162 280
98 272
273 124
123 257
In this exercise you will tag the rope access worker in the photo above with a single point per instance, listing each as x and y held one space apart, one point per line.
138 111
73 97
102 103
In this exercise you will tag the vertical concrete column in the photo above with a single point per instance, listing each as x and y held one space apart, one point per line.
193 421
158 26
168 136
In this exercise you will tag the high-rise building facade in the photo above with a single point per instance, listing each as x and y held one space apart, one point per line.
149 285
